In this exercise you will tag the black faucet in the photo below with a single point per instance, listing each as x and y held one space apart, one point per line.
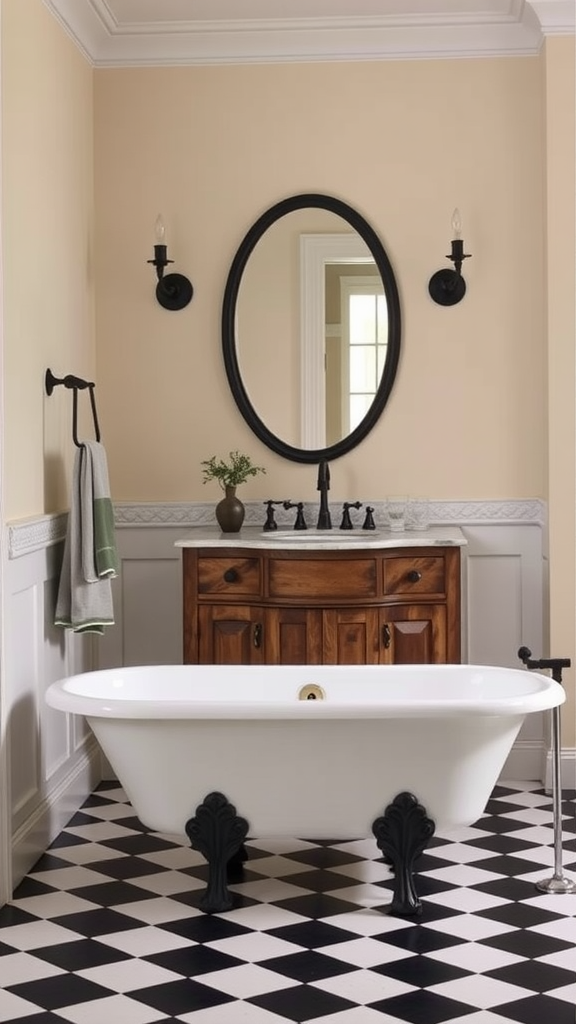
324 520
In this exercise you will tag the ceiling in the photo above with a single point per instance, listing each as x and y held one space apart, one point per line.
116 33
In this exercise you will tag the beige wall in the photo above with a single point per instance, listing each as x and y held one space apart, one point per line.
47 213
404 142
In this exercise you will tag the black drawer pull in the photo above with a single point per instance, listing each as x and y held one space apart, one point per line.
414 576
386 635
231 575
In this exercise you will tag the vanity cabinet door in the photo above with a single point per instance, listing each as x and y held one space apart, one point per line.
350 636
293 636
413 634
230 635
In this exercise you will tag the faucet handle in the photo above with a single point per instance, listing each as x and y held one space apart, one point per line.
369 523
270 523
300 523
346 523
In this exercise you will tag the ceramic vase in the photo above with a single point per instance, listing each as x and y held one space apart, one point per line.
230 512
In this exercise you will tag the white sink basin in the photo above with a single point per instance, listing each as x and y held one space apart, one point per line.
348 538
321 536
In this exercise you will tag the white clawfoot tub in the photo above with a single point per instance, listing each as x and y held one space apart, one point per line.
316 769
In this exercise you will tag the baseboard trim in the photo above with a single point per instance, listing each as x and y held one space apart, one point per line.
55 810
531 761
567 768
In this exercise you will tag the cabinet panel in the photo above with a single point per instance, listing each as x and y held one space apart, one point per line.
414 635
350 636
230 635
293 636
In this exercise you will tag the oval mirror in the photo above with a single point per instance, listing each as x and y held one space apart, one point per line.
311 328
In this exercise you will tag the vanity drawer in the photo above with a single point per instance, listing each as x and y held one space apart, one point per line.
410 575
230 576
339 579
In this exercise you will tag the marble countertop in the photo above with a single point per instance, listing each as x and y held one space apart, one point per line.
335 539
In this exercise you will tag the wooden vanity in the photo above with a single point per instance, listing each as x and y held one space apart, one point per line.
259 602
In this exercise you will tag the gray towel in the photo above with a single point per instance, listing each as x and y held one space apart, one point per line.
90 561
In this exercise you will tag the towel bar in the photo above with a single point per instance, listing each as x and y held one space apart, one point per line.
76 384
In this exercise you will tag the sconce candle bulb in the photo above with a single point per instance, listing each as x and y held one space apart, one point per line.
173 291
448 287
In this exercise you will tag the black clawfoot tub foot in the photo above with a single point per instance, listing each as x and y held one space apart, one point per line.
402 834
218 833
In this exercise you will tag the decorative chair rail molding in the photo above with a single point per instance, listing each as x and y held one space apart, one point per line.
35 534
30 535
109 37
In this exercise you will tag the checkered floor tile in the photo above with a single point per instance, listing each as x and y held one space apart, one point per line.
107 928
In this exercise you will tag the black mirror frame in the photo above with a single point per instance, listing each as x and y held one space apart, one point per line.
239 392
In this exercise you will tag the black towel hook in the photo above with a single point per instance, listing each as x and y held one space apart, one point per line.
75 384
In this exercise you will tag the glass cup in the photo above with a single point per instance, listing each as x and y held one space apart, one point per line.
396 507
419 514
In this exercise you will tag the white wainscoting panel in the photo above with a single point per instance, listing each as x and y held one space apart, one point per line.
54 760
147 600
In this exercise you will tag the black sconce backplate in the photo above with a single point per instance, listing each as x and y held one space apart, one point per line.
447 287
174 291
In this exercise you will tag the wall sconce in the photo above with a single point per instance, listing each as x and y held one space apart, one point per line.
173 291
447 287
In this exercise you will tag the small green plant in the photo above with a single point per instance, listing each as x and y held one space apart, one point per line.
232 473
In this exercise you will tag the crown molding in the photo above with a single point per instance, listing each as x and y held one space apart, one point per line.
517 28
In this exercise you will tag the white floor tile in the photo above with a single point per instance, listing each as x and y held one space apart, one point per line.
36 935
363 895
169 883
470 901
565 958
17 968
566 993
129 975
261 918
158 911
277 867
564 929
12 1006
100 831
255 947
459 853
462 874
144 941
480 991
53 904
115 1009
73 877
367 922
475 957
269 890
87 853
232 1013
247 981
365 952
363 986
470 927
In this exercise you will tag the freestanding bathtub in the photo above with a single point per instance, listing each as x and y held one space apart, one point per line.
389 750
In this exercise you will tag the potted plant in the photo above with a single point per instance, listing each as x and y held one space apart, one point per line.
230 510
